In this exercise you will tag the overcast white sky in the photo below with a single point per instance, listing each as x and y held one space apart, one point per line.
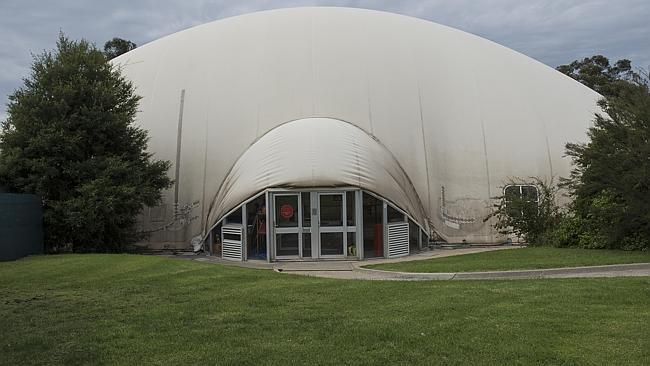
552 31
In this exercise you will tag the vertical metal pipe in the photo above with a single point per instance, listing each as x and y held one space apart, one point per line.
179 134
205 168
359 222
269 240
385 227
210 242
244 234
315 225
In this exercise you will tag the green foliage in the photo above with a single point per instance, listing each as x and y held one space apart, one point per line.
597 73
526 216
117 46
574 232
70 138
610 182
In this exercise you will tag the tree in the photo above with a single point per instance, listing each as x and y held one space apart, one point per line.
597 73
70 138
117 46
610 182
611 179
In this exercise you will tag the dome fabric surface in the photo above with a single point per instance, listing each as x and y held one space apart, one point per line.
453 115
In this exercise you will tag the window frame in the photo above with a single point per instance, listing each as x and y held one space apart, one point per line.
521 192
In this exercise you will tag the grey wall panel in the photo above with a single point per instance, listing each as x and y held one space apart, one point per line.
21 226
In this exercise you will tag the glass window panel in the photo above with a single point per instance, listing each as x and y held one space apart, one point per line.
286 211
394 215
529 192
512 191
306 245
352 246
235 217
331 243
215 246
256 228
373 227
306 209
414 232
425 240
286 244
349 207
331 210
520 199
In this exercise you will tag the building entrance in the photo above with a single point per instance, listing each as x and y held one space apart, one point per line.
314 225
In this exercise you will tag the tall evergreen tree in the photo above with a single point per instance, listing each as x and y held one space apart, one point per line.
70 138
610 182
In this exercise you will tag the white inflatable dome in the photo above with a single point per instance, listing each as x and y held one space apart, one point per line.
432 119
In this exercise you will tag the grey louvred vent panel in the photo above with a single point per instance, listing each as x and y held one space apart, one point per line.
398 239
231 239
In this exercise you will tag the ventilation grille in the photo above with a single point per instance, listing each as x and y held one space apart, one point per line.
398 239
231 242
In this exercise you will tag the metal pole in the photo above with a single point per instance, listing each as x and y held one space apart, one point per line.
179 134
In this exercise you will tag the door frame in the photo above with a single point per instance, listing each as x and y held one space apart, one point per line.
333 229
315 229
286 230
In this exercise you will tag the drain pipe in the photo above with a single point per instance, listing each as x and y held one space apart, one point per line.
177 165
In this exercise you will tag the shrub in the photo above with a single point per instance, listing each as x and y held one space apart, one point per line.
527 217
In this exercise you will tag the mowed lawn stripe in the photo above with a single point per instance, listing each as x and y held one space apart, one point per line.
128 309
520 258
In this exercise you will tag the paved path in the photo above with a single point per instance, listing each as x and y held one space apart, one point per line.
617 270
336 265
354 269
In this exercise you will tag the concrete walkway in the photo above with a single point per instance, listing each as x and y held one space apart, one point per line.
336 265
354 270
617 270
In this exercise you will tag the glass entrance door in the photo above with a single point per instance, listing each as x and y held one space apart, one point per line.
286 225
313 225
331 224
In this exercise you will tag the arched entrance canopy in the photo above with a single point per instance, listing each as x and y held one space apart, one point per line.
317 152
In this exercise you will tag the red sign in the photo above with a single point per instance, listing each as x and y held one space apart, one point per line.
286 211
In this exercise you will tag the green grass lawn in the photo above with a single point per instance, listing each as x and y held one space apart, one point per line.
128 309
524 258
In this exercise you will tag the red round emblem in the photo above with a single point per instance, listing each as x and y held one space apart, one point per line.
286 211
